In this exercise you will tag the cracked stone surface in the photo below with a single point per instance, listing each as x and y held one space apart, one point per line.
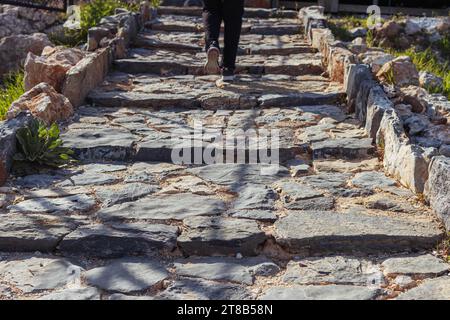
137 219
126 276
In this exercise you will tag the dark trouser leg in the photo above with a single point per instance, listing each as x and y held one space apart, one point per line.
233 10
212 19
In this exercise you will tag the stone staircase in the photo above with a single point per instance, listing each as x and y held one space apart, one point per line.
127 223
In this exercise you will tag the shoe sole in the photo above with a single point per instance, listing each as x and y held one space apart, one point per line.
212 62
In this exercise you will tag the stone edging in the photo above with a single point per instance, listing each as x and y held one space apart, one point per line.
112 41
410 164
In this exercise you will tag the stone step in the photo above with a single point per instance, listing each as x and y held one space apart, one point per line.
188 42
270 26
164 62
117 240
248 13
106 134
187 91
327 232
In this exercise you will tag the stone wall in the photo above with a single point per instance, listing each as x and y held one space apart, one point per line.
60 78
20 20
392 116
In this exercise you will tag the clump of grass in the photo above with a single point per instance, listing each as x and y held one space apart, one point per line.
341 26
427 60
13 87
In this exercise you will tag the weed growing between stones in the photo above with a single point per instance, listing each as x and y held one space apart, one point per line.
443 248
40 145
12 88
341 26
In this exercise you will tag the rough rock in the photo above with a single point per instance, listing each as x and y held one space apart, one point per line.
372 180
329 292
434 289
350 232
51 67
220 236
44 103
253 196
73 294
164 207
418 267
401 71
37 233
119 239
226 269
428 80
198 289
14 50
333 270
70 204
127 275
438 188
124 193
34 274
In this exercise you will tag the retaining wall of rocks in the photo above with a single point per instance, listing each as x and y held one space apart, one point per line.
414 161
59 79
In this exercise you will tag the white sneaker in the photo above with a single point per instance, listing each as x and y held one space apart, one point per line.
212 61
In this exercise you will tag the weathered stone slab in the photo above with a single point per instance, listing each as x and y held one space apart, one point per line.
20 232
333 270
423 266
164 207
234 175
372 180
298 99
346 166
330 292
438 188
33 274
346 148
89 179
331 232
100 144
226 269
71 204
259 215
434 289
254 196
220 236
127 275
124 193
319 204
73 294
197 289
119 239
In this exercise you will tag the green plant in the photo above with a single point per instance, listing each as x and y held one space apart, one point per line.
12 88
370 38
41 145
92 12
155 3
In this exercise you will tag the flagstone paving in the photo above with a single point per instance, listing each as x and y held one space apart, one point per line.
126 222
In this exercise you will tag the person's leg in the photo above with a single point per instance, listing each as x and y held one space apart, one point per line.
212 19
233 10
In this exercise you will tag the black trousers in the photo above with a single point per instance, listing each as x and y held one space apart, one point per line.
230 12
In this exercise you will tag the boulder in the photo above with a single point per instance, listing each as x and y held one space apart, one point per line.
428 80
415 97
358 32
412 27
44 103
376 59
400 71
51 67
390 29
14 50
